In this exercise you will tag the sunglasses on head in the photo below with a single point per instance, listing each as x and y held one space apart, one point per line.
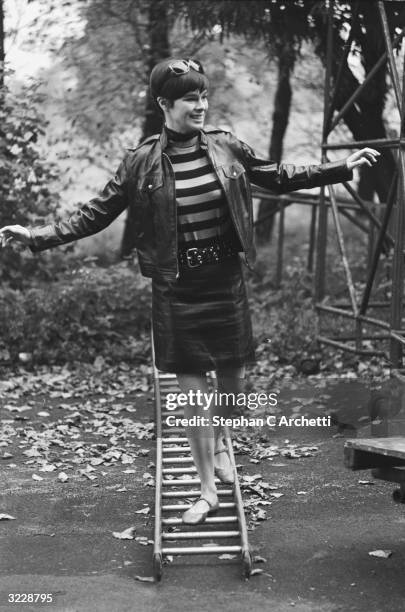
180 67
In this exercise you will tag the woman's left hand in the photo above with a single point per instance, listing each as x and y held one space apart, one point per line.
363 157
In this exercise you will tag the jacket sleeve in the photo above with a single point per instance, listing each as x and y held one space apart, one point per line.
282 178
89 219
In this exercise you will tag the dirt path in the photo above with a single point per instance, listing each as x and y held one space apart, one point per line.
315 542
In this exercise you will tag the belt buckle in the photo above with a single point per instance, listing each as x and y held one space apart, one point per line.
189 256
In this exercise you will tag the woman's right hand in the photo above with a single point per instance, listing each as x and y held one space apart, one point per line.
18 233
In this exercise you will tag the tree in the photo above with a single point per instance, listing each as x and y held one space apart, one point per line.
2 56
25 195
25 177
284 24
281 114
365 118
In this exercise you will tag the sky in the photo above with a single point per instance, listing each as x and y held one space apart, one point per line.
26 57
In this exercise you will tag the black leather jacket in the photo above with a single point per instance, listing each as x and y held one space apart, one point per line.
144 183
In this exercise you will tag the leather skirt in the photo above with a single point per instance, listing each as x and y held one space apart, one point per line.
201 321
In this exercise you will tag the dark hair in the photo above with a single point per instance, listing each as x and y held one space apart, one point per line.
167 85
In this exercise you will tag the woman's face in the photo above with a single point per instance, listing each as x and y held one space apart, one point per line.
187 113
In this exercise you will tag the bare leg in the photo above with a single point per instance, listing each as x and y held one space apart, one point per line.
201 440
230 381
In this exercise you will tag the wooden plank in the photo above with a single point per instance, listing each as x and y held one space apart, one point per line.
392 446
368 453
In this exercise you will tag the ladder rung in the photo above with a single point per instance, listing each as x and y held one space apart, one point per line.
169 383
180 470
177 460
179 507
189 494
166 375
191 535
167 430
176 449
174 440
184 481
208 520
203 550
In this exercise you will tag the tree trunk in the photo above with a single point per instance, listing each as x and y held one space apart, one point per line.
281 115
2 53
365 118
159 49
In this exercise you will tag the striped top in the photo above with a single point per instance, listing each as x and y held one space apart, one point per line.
203 214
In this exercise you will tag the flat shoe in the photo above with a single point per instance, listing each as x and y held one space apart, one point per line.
195 518
225 475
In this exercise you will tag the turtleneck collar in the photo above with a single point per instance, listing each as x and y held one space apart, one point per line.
163 138
178 136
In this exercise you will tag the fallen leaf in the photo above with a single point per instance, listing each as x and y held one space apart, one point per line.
17 408
145 578
96 461
47 467
87 475
384 554
261 515
7 517
127 534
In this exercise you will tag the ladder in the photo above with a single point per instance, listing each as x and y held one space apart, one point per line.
176 486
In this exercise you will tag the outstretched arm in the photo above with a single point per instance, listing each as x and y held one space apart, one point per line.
86 221
282 178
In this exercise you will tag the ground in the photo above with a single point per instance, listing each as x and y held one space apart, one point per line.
313 545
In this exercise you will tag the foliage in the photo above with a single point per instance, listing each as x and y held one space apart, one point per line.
91 311
285 318
110 57
284 26
25 195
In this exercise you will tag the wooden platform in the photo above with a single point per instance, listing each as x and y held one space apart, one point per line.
369 453
384 456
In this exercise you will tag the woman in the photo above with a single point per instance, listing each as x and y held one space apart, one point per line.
189 200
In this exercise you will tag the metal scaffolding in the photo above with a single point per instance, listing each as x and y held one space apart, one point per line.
377 324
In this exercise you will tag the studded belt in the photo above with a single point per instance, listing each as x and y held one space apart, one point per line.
195 257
